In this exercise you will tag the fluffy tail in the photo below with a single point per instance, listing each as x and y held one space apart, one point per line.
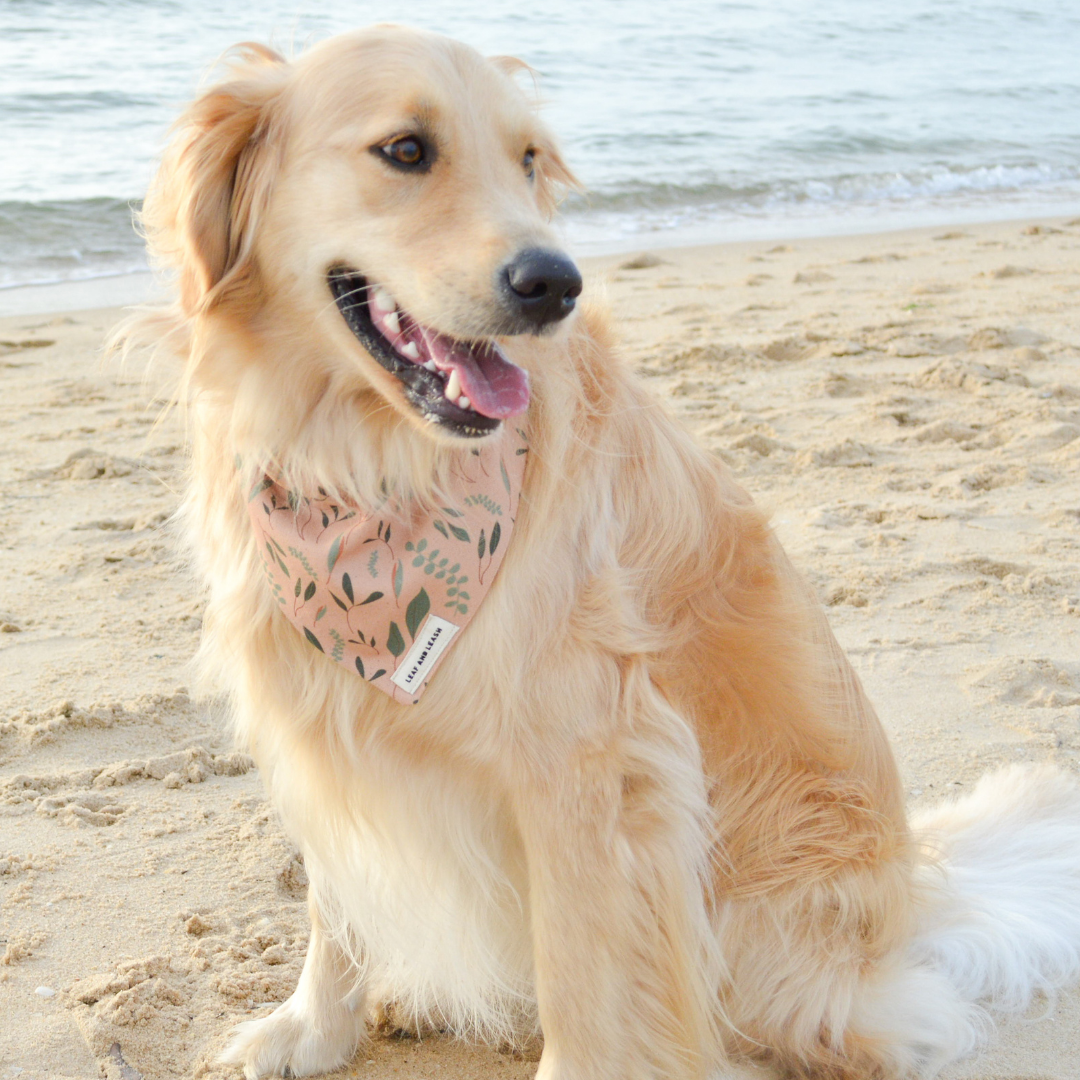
1002 921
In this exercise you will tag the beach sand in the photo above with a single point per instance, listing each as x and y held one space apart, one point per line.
906 404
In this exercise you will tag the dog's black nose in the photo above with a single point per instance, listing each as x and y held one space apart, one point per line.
543 285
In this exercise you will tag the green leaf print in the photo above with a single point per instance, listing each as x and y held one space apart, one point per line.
381 671
296 591
260 487
370 598
399 578
335 551
313 639
275 558
505 478
360 667
415 613
346 585
496 536
394 641
459 533
481 545
441 527
451 513
340 603
309 592
486 501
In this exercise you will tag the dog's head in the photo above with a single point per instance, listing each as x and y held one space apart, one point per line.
389 192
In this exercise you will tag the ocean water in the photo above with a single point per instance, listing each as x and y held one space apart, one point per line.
688 120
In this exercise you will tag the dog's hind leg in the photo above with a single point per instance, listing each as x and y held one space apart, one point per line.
616 839
320 1026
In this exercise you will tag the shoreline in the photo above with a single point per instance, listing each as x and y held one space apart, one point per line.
60 297
907 403
140 287
855 221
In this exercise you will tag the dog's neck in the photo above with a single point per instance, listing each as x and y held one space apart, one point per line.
332 433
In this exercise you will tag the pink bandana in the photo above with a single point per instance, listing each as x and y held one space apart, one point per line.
386 595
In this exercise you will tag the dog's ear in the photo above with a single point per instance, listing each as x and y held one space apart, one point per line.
512 66
215 180
553 176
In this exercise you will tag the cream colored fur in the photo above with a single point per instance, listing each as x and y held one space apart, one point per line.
644 805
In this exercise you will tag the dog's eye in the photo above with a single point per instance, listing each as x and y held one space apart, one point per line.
408 151
527 162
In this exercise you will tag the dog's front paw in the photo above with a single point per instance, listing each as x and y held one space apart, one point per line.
289 1042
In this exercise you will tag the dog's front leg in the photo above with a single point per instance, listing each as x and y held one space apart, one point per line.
320 1026
615 837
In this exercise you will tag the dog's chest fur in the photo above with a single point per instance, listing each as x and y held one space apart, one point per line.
424 871
398 809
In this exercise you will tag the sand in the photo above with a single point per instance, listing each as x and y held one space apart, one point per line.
908 406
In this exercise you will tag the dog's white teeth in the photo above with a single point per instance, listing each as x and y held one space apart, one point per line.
392 322
429 364
464 402
382 301
453 386
410 350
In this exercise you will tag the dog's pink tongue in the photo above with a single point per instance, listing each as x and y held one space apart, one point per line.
494 386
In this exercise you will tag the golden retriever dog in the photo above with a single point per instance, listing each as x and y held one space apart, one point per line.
642 807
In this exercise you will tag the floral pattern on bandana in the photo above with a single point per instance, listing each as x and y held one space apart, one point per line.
385 593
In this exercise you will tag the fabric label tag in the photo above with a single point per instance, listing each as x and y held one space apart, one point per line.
433 638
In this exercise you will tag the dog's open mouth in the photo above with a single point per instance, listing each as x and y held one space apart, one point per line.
467 387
